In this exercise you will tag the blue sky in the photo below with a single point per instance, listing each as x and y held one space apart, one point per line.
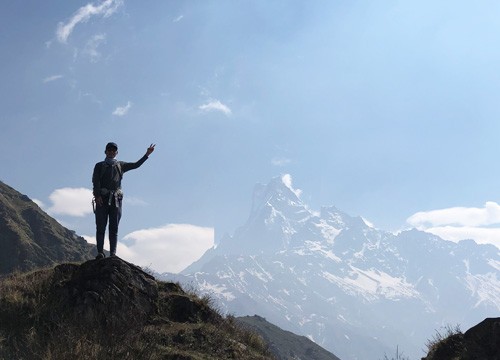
388 110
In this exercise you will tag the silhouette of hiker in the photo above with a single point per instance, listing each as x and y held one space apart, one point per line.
108 195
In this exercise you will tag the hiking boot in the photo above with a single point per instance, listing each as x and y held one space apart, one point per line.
100 256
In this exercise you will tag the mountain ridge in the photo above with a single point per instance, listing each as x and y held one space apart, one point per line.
355 290
48 305
31 239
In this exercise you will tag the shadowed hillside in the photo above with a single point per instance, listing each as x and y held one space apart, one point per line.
29 238
286 345
111 309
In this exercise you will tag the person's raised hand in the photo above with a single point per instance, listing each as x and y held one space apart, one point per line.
150 149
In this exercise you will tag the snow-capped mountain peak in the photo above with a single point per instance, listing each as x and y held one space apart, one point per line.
353 289
279 196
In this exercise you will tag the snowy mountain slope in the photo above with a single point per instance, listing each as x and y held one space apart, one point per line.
355 290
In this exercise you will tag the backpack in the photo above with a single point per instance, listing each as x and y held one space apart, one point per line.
118 167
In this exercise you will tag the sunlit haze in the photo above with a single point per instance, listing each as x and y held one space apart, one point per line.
387 110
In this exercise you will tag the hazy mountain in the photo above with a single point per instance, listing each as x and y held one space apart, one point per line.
355 290
29 238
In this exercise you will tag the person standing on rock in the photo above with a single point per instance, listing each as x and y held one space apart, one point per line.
106 180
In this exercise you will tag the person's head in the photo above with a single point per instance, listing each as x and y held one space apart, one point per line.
111 150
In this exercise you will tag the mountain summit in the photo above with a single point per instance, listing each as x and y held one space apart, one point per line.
278 218
29 238
355 290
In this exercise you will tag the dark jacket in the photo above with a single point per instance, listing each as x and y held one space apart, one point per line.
105 178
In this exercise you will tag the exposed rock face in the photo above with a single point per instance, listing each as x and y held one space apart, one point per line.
30 239
122 290
111 309
100 287
481 342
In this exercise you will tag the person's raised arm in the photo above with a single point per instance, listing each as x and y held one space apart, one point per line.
126 166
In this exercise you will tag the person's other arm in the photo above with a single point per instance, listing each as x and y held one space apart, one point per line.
126 166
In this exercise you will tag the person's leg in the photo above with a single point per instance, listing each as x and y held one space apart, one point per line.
101 220
115 214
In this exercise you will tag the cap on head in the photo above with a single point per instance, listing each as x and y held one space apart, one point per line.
111 145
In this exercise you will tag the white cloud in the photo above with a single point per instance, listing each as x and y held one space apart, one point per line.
40 203
488 215
52 78
105 8
215 105
122 110
169 248
457 233
91 239
459 223
71 202
92 46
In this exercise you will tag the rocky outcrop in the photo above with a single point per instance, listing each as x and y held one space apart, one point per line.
483 340
110 289
112 309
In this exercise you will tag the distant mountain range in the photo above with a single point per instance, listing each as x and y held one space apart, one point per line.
75 297
30 239
357 291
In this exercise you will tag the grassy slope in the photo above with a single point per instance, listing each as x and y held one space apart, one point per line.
29 238
113 311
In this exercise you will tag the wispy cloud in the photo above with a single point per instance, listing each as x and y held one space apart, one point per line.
169 248
135 201
122 110
280 161
71 202
52 78
178 18
105 9
459 223
215 105
91 48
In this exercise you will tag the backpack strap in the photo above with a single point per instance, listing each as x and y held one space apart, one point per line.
119 168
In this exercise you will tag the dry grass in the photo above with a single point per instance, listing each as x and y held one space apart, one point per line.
398 356
31 329
441 335
446 344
